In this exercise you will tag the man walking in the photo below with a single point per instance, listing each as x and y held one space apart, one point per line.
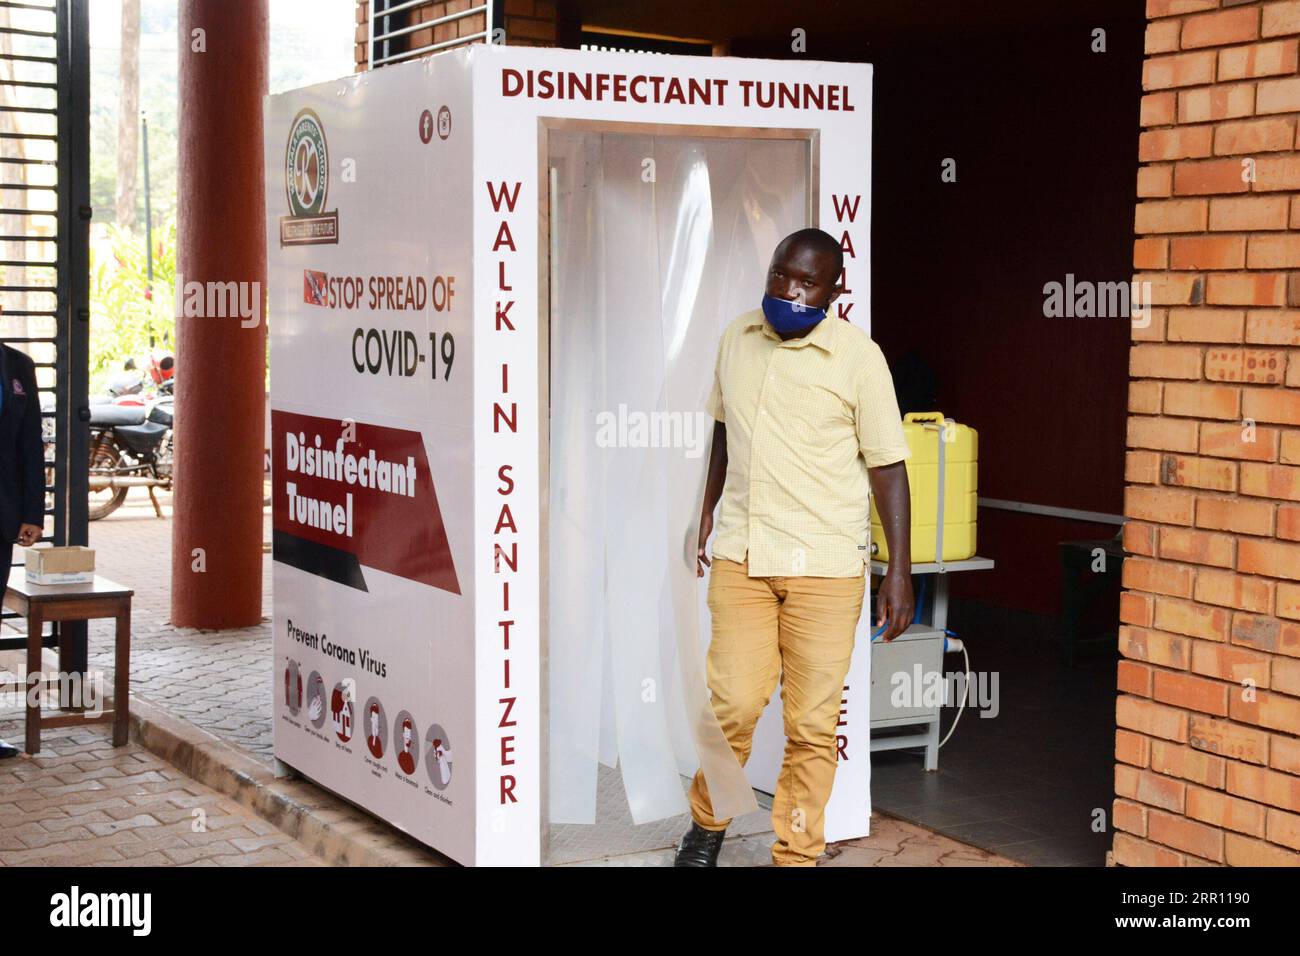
22 464
806 420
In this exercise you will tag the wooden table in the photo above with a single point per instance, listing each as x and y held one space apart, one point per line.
72 602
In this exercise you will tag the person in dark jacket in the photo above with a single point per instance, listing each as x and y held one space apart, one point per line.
22 464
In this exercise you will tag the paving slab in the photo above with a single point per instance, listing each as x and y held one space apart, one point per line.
201 737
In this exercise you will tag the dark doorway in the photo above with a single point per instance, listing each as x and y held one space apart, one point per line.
1034 108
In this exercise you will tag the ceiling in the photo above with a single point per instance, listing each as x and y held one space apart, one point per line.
766 19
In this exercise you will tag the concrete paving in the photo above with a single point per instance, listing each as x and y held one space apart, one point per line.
201 728
83 802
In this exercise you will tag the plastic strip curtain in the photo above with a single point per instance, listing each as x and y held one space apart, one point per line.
658 242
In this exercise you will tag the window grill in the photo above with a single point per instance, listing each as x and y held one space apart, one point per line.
44 244
391 28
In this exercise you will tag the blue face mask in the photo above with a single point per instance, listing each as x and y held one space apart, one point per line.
785 316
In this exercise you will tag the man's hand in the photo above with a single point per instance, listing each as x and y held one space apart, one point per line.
894 604
29 534
706 529
713 483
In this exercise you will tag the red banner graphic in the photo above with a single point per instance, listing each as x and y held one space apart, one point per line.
371 496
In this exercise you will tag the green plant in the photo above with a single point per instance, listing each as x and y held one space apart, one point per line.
124 308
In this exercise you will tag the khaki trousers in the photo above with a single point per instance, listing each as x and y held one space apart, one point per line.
801 629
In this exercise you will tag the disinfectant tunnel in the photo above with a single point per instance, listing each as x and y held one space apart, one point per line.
498 277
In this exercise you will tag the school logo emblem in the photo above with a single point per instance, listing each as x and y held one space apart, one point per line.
306 183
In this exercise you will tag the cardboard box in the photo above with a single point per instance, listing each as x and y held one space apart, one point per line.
50 565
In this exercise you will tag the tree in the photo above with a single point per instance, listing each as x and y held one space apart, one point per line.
128 115
124 310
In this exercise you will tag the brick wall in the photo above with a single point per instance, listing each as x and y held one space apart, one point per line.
526 23
1207 742
360 54
530 22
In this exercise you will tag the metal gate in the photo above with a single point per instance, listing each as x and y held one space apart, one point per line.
44 248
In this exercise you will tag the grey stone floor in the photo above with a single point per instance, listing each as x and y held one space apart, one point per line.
1031 783
221 681
218 680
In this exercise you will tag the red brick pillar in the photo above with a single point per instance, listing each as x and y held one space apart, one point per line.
221 357
1208 739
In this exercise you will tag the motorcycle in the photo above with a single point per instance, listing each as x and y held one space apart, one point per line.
130 447
130 436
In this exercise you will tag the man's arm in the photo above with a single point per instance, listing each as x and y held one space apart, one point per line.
894 601
32 453
712 491
717 476
885 450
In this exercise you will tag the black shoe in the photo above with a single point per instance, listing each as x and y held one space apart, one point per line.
699 847
8 750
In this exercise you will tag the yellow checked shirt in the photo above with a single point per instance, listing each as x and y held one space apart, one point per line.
805 420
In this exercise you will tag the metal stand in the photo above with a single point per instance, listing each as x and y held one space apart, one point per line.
918 651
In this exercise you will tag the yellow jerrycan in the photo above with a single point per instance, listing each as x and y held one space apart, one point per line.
943 529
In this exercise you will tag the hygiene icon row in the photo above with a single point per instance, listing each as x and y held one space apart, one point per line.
397 740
